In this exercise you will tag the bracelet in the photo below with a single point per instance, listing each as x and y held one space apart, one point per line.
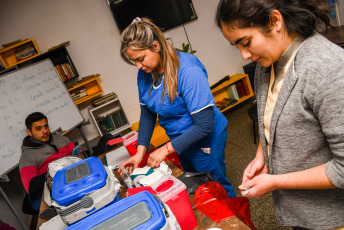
168 150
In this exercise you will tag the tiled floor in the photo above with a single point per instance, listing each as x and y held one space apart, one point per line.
240 150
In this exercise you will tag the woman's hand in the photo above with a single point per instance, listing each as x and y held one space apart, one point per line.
256 168
130 164
259 186
156 157
253 172
134 161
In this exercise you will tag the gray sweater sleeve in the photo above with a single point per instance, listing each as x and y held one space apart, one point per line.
328 108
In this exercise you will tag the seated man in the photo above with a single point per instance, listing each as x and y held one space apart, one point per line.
39 148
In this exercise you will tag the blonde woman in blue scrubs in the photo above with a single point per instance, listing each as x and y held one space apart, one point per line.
174 85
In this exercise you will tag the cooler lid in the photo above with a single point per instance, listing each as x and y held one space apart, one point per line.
140 211
73 182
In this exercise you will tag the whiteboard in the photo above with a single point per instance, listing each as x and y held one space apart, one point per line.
35 88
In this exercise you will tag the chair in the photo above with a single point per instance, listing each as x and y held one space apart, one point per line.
253 114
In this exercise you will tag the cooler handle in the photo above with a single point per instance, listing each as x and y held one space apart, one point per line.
162 204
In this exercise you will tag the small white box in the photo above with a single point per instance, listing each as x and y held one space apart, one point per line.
116 157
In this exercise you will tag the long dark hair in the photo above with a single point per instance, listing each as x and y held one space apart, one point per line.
300 16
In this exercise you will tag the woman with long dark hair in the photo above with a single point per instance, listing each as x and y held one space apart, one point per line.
299 83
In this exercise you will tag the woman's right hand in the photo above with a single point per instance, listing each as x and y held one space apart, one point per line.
130 164
257 166
134 161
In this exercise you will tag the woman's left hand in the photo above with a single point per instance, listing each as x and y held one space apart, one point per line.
156 157
258 186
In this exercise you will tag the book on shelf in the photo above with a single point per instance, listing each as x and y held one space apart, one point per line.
101 125
118 119
116 123
247 89
26 56
70 65
110 98
225 102
81 90
112 122
57 68
65 71
79 95
25 51
108 123
104 99
232 92
240 88
105 126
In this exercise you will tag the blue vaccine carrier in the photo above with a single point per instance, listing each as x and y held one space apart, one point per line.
140 211
83 188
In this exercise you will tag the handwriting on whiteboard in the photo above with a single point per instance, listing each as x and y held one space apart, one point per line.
37 90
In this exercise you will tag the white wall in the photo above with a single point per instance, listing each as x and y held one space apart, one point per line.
94 43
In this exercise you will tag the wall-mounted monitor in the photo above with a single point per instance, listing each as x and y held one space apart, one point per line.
166 14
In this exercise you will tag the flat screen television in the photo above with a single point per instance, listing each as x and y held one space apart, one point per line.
166 14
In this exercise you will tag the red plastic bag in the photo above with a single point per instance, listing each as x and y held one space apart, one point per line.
173 157
213 201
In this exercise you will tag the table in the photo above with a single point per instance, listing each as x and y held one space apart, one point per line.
202 221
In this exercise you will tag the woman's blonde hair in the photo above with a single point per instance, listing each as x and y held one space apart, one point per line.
140 35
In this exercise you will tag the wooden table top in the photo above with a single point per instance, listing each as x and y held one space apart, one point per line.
202 221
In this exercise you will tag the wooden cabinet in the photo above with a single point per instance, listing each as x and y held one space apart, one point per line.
223 92
61 60
90 85
19 53
110 117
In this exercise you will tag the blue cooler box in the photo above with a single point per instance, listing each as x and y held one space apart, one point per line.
140 211
83 188
73 182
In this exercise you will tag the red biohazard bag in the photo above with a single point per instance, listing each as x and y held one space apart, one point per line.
213 201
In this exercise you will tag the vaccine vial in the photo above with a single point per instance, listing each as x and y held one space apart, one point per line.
126 178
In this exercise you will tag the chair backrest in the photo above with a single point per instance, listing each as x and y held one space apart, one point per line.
27 207
250 70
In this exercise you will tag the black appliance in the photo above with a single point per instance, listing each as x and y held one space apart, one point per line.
166 14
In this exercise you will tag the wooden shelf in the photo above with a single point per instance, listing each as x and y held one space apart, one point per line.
104 110
92 86
8 54
221 91
61 60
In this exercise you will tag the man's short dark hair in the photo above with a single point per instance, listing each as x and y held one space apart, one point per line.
33 117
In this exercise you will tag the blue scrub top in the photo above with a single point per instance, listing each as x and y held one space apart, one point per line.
194 95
